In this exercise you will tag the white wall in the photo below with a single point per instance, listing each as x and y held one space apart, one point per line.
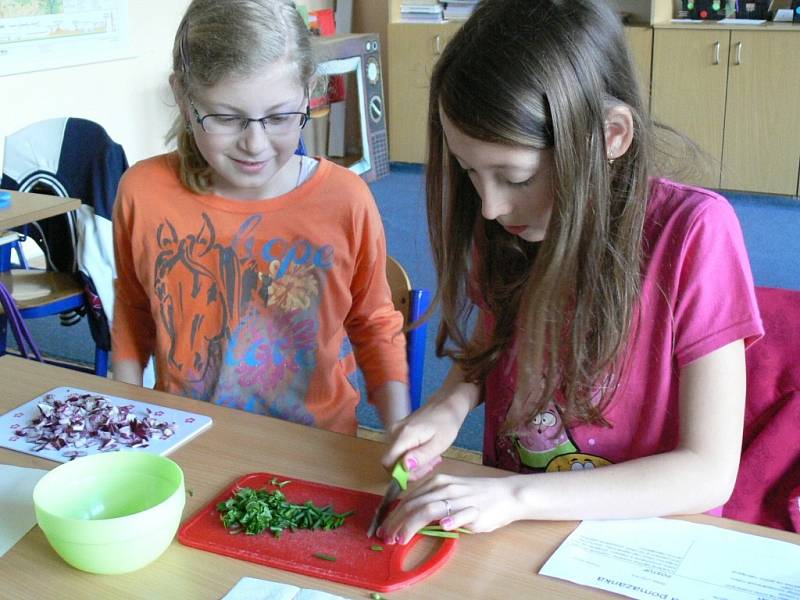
641 9
319 4
130 97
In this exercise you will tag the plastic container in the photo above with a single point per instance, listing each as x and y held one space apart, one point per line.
111 513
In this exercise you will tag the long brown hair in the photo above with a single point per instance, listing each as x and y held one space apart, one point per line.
236 37
541 74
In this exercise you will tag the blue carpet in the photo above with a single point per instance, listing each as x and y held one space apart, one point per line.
771 226
73 343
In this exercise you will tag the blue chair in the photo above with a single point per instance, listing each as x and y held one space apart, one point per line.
768 484
412 303
38 293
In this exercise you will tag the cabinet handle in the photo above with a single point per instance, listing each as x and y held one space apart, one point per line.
738 60
716 53
437 44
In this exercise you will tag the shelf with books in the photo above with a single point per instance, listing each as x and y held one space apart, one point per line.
431 11
648 12
412 51
458 10
412 11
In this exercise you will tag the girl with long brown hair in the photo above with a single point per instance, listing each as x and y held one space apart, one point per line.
598 311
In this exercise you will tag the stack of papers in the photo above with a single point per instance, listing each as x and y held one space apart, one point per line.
425 11
459 10
742 21
732 21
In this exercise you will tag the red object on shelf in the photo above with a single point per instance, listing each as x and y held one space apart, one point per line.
337 91
356 563
322 22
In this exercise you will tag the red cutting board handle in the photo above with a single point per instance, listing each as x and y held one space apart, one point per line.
356 563
404 578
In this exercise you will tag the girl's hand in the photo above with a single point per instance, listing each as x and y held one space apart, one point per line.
422 437
479 504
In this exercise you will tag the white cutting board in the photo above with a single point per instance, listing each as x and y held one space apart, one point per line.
188 424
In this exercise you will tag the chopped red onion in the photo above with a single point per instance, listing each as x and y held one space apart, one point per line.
84 420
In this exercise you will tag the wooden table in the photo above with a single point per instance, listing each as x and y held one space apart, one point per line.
26 208
502 564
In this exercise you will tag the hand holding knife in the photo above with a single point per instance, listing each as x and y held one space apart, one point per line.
397 485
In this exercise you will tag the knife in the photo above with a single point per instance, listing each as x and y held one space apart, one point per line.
398 483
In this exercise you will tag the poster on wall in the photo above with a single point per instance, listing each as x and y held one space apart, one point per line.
36 35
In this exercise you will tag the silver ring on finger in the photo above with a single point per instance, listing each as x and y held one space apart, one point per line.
447 509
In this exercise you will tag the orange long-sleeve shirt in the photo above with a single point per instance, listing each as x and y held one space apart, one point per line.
246 303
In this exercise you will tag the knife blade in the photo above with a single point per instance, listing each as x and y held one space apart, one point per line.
392 492
398 483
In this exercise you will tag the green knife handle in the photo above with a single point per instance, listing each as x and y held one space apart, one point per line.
400 475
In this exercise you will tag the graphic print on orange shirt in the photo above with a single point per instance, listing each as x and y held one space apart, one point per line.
241 319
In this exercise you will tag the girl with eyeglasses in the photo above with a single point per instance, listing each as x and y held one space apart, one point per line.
612 306
242 267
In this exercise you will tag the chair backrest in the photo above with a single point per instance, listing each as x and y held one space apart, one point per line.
75 158
65 157
768 485
412 303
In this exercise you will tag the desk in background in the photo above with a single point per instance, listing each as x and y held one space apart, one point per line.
26 208
502 564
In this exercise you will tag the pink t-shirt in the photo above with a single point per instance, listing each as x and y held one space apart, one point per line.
697 296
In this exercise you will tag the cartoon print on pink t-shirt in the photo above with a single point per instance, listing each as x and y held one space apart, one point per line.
546 444
544 439
576 461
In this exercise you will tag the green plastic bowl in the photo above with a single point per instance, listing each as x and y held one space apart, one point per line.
111 513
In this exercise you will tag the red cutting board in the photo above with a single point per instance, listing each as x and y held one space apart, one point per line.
356 563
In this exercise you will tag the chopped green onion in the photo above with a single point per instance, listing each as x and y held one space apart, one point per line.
440 528
254 511
438 533
377 548
324 556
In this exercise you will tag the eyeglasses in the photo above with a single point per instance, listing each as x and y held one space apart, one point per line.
278 124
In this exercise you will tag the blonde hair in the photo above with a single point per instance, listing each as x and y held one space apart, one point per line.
216 39
555 68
